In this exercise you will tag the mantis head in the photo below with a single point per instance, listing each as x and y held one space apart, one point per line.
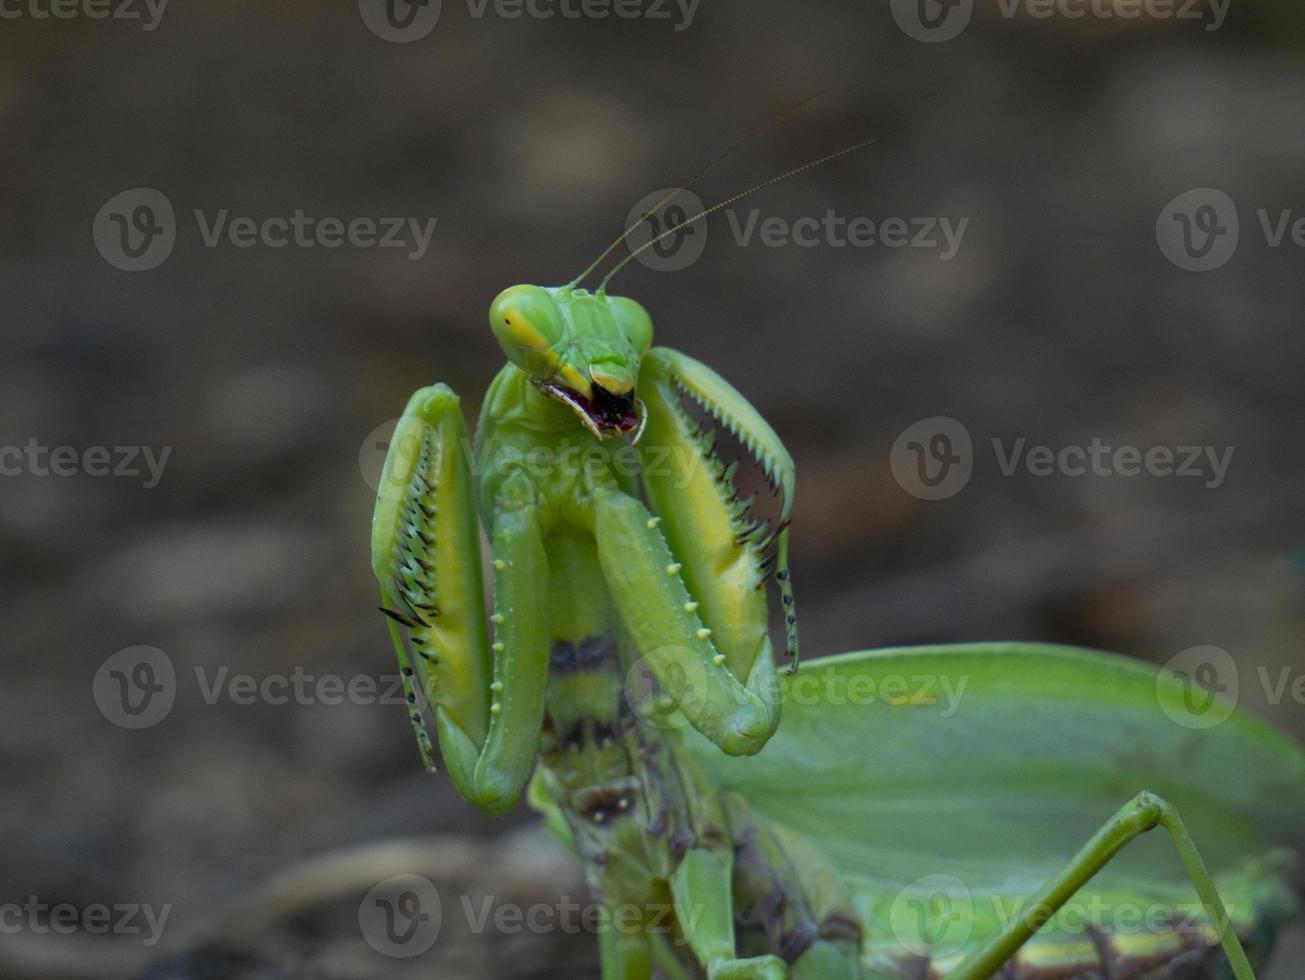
579 348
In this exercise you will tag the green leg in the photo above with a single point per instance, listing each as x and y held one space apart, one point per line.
521 648
723 548
726 549
648 590
426 556
704 906
624 954
1144 812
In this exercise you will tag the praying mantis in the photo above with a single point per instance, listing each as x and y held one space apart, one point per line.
628 663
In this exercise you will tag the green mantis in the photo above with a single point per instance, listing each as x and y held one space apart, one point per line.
628 654
584 575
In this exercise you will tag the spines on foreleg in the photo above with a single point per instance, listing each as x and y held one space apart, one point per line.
425 555
728 549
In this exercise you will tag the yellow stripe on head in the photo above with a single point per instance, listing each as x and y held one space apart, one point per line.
575 380
524 332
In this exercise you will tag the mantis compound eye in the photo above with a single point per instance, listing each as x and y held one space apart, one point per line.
528 326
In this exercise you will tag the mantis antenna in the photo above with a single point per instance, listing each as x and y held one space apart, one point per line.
602 286
765 126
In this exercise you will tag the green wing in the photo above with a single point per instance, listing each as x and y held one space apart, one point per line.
946 778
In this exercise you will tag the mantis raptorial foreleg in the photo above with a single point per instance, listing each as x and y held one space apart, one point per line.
723 548
1144 812
424 527
689 580
647 586
522 629
426 555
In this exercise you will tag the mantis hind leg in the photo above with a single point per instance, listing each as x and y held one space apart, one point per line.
1144 812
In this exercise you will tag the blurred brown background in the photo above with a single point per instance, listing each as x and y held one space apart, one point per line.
266 372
